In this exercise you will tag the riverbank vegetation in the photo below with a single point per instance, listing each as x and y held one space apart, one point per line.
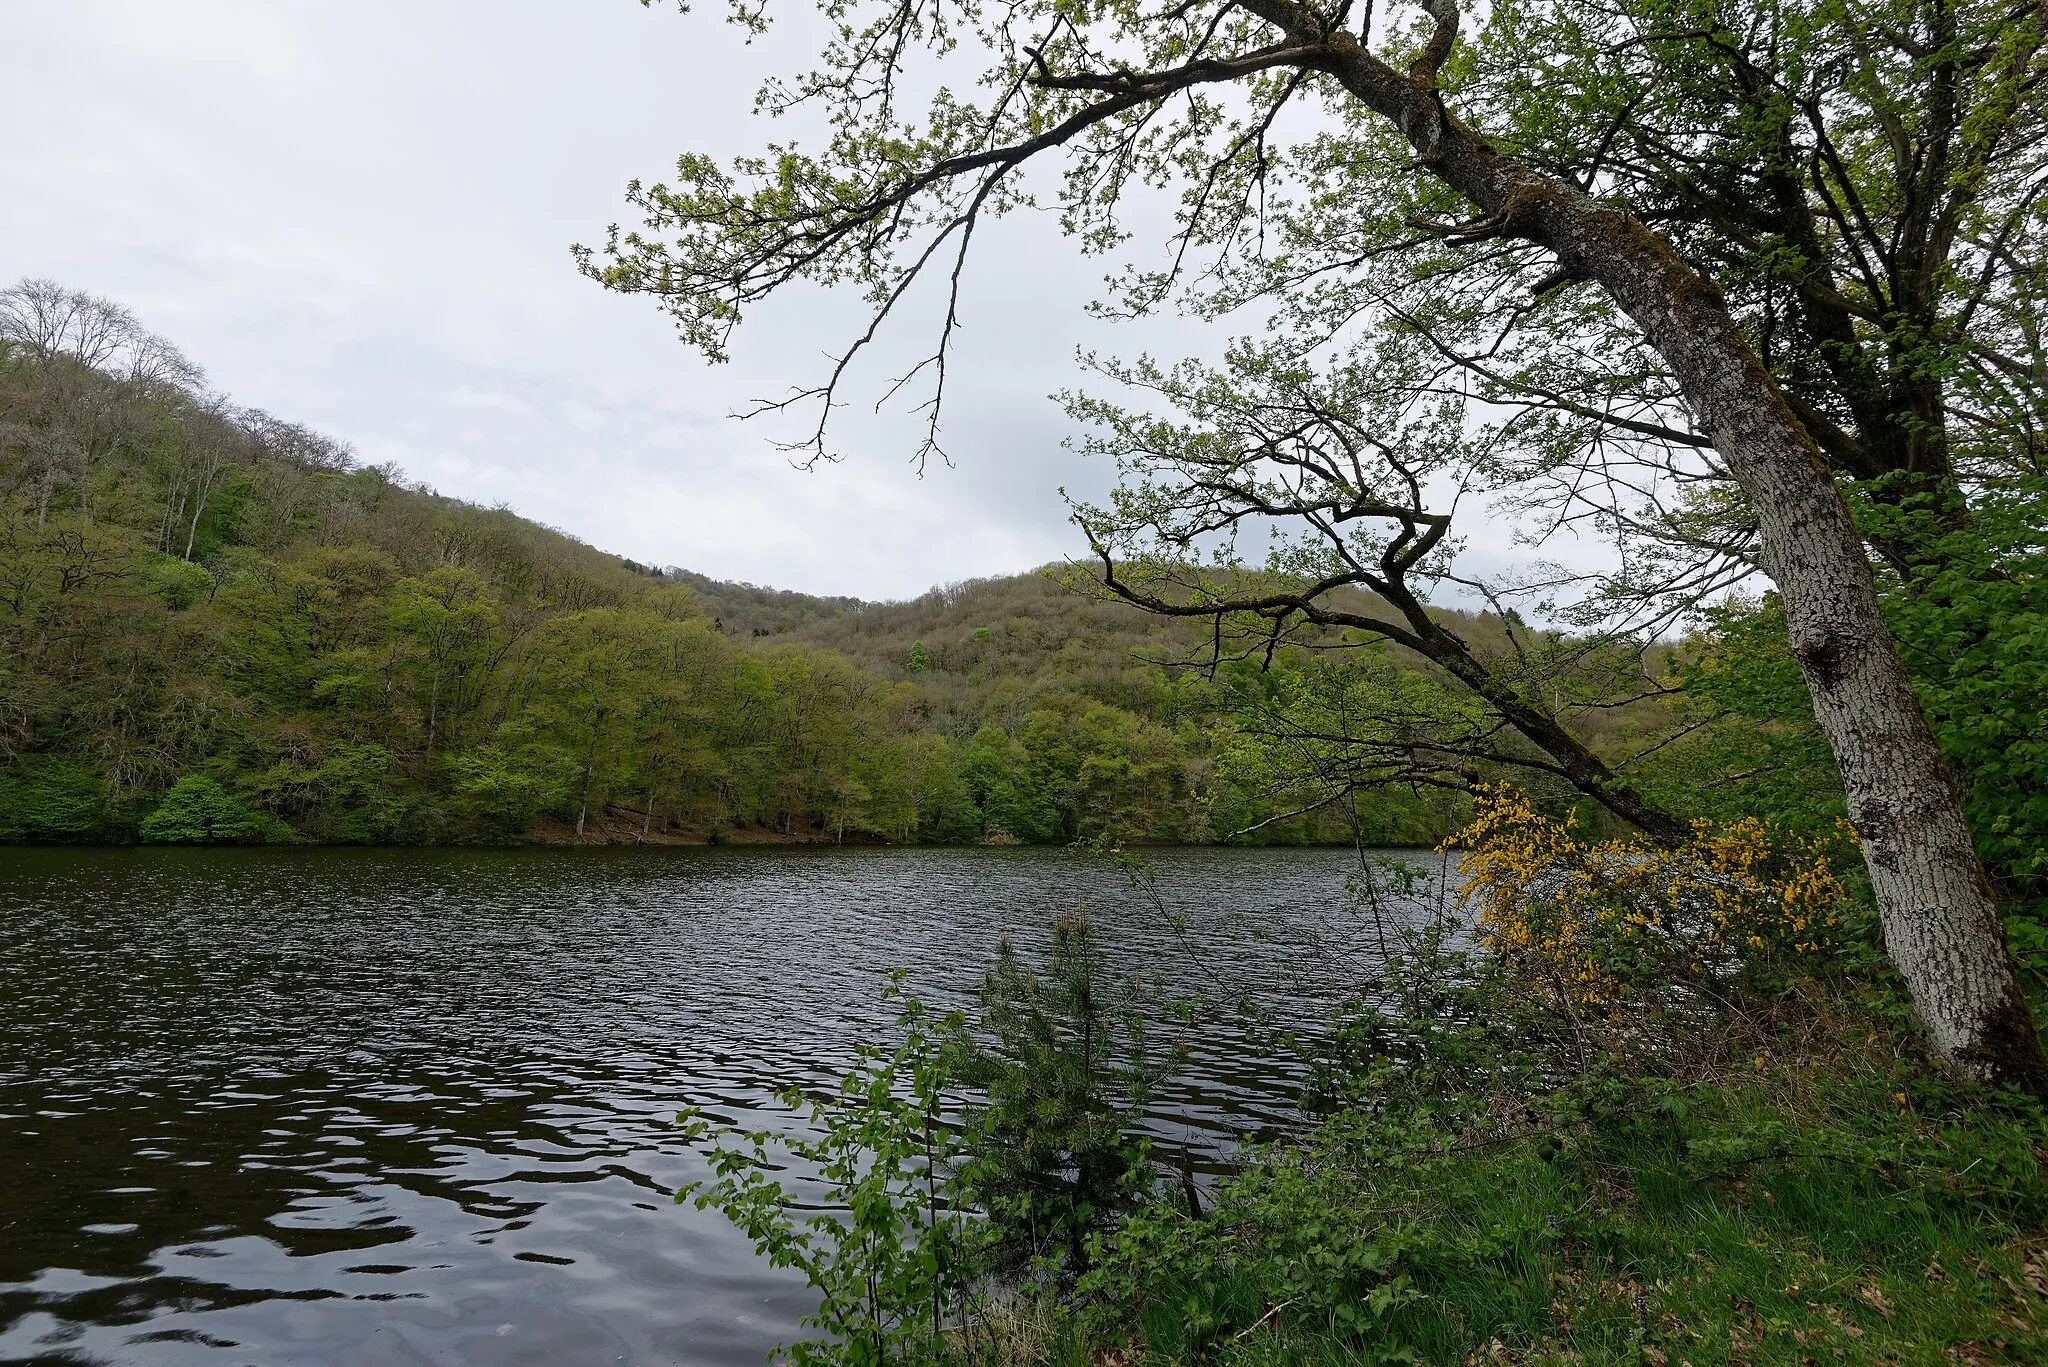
1644 1106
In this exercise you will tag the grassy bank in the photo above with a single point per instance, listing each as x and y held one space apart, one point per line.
1829 1197
1651 1105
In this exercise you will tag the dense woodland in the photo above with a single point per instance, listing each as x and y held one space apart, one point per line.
208 602
221 626
204 595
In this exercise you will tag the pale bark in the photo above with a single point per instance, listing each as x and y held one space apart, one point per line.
589 768
1942 926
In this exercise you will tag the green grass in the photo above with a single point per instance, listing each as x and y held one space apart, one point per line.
1848 1205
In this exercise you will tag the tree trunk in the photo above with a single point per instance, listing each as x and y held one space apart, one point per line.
433 706
198 508
589 767
1941 925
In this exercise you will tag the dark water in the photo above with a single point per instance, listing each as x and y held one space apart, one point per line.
375 1107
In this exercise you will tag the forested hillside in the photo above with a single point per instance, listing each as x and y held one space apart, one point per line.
220 625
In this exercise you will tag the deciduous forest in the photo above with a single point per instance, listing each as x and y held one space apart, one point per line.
221 626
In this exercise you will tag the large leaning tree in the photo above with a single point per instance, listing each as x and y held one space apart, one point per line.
1674 269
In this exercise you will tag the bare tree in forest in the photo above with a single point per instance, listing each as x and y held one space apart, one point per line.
77 343
1763 316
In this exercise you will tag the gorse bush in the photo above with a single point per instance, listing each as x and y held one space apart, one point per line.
1612 927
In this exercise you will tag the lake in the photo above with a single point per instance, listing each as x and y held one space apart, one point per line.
368 1107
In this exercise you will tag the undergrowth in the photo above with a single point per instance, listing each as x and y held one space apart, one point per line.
1669 1111
1834 1199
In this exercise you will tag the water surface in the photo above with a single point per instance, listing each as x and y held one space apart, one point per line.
366 1107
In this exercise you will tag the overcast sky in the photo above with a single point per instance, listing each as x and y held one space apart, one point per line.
358 216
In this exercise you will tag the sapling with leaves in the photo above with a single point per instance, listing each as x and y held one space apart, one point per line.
963 1161
890 1256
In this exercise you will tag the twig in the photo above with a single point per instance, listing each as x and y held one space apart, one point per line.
1265 1318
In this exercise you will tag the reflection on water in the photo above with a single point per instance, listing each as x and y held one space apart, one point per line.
376 1107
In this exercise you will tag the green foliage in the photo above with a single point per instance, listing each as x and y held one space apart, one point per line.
1332 744
1061 1068
1492 1182
1001 782
1428 1039
356 800
180 583
508 789
50 799
1744 663
1198 1284
198 811
1758 1218
347 796
934 1214
363 660
1765 757
889 1256
1487 1181
1973 626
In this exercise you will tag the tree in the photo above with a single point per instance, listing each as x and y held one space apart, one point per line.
1189 96
998 775
89 358
598 672
1062 1067
448 612
198 811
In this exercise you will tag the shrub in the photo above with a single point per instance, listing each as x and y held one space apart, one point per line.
936 1211
888 1257
1061 1070
198 811
1615 927
179 583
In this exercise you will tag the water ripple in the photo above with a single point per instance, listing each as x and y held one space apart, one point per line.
373 1107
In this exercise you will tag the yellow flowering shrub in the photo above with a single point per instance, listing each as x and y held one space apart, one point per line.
1600 924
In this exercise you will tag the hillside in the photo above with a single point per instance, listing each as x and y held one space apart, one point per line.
750 610
218 625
